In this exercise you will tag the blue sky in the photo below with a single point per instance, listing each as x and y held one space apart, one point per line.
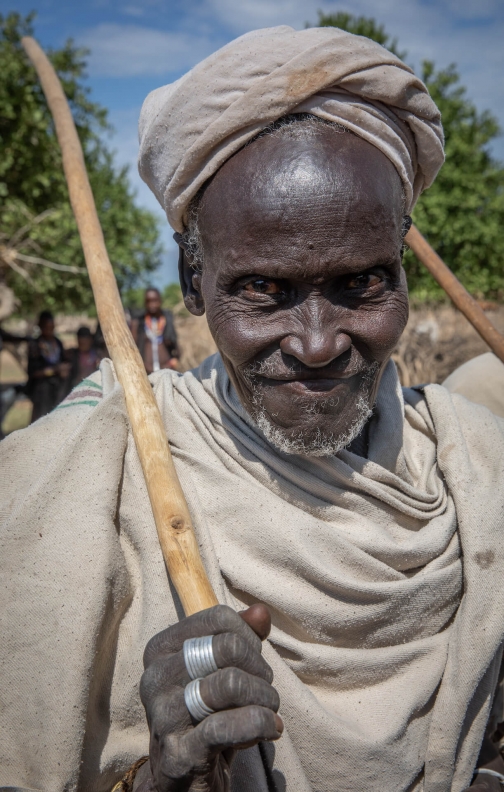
137 46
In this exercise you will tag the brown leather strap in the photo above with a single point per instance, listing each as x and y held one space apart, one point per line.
126 782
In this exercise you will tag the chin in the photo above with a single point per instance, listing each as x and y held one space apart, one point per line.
314 438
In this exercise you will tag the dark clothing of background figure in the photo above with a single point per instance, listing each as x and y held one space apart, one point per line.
8 391
46 391
82 364
166 350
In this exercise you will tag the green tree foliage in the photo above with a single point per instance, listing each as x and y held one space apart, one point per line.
36 220
462 214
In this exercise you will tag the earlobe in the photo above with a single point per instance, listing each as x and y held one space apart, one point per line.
190 283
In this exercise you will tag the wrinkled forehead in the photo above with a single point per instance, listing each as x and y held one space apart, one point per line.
279 181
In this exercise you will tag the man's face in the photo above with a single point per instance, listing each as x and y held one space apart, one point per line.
152 302
84 343
47 328
302 282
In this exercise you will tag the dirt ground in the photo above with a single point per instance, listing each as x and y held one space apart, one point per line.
436 341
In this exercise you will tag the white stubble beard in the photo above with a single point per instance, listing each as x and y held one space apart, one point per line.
317 444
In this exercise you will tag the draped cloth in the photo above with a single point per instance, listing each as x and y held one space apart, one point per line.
480 380
383 576
189 128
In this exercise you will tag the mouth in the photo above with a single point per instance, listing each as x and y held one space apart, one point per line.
309 382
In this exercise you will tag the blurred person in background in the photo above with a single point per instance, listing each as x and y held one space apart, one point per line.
84 358
9 391
48 369
155 335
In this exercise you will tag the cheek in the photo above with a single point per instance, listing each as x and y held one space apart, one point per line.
381 327
241 333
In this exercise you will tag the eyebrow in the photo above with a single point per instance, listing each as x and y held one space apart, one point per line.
279 270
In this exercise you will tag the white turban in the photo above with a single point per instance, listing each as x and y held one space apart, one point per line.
189 128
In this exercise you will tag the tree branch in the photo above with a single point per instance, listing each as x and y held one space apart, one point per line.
50 264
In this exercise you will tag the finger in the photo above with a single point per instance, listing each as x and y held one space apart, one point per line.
258 618
238 728
169 672
213 621
190 755
231 687
227 689
230 649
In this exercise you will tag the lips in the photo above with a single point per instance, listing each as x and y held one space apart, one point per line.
312 382
310 376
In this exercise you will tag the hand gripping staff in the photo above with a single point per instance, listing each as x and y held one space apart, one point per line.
171 514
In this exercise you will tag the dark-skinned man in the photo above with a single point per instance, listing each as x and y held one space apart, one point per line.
351 528
155 335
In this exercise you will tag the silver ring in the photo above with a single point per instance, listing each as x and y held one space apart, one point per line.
199 657
194 703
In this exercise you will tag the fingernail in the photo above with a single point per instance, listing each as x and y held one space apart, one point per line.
279 724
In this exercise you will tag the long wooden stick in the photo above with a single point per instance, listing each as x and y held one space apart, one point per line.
455 291
171 514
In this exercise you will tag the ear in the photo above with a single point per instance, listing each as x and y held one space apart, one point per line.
190 280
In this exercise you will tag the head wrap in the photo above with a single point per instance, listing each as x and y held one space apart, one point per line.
189 128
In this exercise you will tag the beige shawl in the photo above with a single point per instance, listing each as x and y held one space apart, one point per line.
480 380
384 578
190 128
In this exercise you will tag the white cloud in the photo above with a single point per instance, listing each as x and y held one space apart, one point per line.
131 50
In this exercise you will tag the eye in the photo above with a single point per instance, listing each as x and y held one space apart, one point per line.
263 286
365 281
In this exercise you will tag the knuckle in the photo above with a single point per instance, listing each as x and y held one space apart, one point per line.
223 617
148 684
235 685
231 649
236 648
217 730
158 678
261 720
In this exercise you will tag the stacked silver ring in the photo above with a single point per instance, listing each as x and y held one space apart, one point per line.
200 662
194 702
199 657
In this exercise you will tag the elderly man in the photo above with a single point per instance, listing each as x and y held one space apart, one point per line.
364 521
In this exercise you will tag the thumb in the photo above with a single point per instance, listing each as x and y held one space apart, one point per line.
258 618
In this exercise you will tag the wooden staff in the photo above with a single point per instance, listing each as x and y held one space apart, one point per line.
455 291
171 514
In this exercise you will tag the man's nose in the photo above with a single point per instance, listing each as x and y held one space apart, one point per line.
314 344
